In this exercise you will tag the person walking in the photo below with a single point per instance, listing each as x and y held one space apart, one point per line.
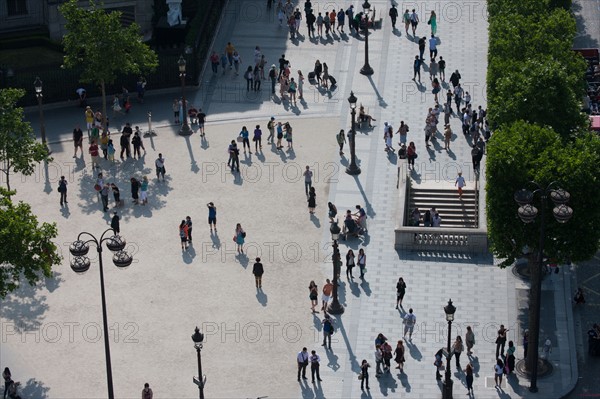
318 70
364 374
510 358
350 263
414 21
292 91
160 167
442 68
438 363
422 48
249 76
147 392
469 340
300 85
455 78
378 360
239 238
460 183
116 194
257 138
457 349
501 340
273 78
433 22
409 323
271 128
469 379
234 156
312 200
498 371
62 189
288 137
7 380
237 60
93 150
212 216
332 211
144 190
328 331
135 187
183 235
341 140
362 262
302 360
313 295
399 356
258 272
137 144
447 136
104 196
314 366
256 78
417 68
115 223
341 17
400 292
411 155
386 349
244 134
393 13
77 140
433 47
326 296
308 174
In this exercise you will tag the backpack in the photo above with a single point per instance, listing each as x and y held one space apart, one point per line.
248 75
272 73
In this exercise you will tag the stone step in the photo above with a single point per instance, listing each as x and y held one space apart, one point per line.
448 195
444 203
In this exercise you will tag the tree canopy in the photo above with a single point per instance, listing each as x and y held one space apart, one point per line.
98 44
522 152
27 249
19 149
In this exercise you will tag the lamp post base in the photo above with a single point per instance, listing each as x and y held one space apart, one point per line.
366 70
353 170
185 130
447 389
335 308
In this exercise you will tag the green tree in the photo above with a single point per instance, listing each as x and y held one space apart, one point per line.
522 152
27 249
97 43
19 150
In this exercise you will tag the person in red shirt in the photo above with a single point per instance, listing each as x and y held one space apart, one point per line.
94 154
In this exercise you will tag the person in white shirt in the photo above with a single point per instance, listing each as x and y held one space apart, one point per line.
302 360
432 47
409 323
414 21
437 220
458 95
460 182
314 365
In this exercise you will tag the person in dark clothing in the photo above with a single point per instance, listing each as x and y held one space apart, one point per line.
234 156
258 271
394 16
125 140
188 223
314 366
137 144
455 78
422 47
310 22
282 64
114 223
438 363
135 187
116 194
62 189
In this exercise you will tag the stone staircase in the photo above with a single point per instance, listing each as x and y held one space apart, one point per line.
455 213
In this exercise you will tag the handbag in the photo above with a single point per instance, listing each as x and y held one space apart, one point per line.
360 376
97 187
240 139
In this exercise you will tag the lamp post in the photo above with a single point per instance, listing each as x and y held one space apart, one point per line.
353 168
335 307
185 128
81 263
366 69
527 213
198 337
37 85
449 309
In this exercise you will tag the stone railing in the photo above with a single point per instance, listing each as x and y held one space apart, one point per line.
440 239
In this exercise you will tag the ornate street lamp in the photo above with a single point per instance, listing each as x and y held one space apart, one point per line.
198 338
366 69
449 309
528 213
37 85
335 307
81 263
185 128
353 168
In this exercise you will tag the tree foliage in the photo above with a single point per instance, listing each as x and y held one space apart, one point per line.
521 153
19 149
101 47
27 249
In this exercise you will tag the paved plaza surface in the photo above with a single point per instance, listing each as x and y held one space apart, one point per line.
252 337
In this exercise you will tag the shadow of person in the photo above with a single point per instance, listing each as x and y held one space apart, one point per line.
64 210
188 255
354 288
403 378
332 360
216 241
243 259
315 220
34 389
261 297
366 287
415 353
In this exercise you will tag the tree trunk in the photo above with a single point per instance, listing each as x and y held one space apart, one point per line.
102 85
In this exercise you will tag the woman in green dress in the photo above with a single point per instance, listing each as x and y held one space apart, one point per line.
433 22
